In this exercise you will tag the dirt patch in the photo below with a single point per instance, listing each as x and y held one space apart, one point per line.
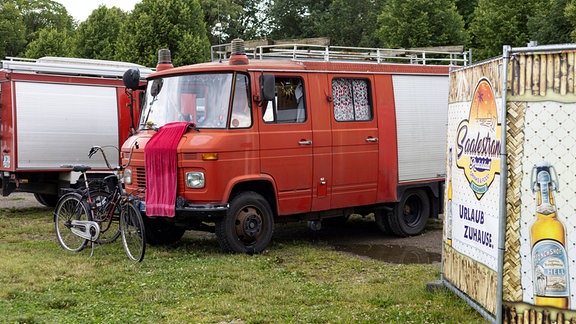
19 200
361 236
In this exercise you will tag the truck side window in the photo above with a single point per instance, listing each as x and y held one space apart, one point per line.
241 116
289 105
352 100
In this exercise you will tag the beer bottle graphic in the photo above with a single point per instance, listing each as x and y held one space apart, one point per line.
548 239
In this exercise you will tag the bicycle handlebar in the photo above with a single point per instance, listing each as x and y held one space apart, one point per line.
97 148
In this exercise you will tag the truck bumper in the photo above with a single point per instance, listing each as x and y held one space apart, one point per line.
198 212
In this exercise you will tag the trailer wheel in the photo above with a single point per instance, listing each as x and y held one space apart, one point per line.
161 232
248 225
411 213
46 200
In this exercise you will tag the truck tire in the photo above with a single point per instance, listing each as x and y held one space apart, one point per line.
161 232
248 225
410 214
46 200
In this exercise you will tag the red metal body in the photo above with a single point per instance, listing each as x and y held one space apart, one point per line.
308 170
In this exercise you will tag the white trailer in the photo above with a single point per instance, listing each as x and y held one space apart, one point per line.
52 111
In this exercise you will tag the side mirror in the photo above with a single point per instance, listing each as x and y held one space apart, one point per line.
267 87
131 79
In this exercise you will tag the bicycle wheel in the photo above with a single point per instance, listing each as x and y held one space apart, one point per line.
132 229
70 207
108 219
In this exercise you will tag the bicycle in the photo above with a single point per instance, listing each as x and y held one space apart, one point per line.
87 215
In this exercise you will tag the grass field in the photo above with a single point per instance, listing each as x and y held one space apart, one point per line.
293 281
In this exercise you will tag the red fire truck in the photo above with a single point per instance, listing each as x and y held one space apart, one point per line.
52 110
293 133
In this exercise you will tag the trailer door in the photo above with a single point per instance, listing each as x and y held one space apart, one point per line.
286 145
354 140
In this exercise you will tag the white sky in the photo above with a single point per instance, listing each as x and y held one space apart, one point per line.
81 9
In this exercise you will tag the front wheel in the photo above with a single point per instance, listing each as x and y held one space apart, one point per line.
132 229
70 208
248 225
411 213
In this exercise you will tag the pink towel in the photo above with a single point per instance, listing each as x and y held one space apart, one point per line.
160 161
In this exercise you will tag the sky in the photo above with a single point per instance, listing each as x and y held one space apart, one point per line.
81 9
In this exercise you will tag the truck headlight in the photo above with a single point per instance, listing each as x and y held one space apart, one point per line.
127 175
195 180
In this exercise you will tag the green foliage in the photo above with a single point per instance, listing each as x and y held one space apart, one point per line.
497 23
155 24
466 10
12 30
230 19
97 37
570 13
296 18
188 27
50 42
420 23
44 14
351 23
548 23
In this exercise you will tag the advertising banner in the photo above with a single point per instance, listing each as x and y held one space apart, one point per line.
510 239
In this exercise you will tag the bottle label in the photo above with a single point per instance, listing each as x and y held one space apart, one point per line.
550 269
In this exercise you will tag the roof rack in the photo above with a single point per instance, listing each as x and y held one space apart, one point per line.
451 55
71 66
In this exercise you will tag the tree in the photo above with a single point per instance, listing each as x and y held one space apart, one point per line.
570 14
12 30
230 19
351 23
548 24
97 36
296 18
497 23
155 24
421 23
50 42
466 10
41 14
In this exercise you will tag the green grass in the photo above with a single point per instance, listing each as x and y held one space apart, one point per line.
293 281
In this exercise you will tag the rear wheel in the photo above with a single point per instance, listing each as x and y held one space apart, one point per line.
248 225
132 229
411 213
70 208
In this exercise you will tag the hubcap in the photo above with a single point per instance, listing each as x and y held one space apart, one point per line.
248 224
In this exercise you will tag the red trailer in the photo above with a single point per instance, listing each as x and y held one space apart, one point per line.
52 110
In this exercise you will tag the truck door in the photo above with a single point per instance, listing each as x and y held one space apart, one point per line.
286 144
354 141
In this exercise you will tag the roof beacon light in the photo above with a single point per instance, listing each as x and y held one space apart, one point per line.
164 60
238 56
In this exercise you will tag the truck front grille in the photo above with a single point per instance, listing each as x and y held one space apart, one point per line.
140 178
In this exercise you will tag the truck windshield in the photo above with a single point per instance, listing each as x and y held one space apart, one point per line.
203 99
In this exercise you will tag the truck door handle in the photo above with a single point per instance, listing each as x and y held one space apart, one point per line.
372 139
305 142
